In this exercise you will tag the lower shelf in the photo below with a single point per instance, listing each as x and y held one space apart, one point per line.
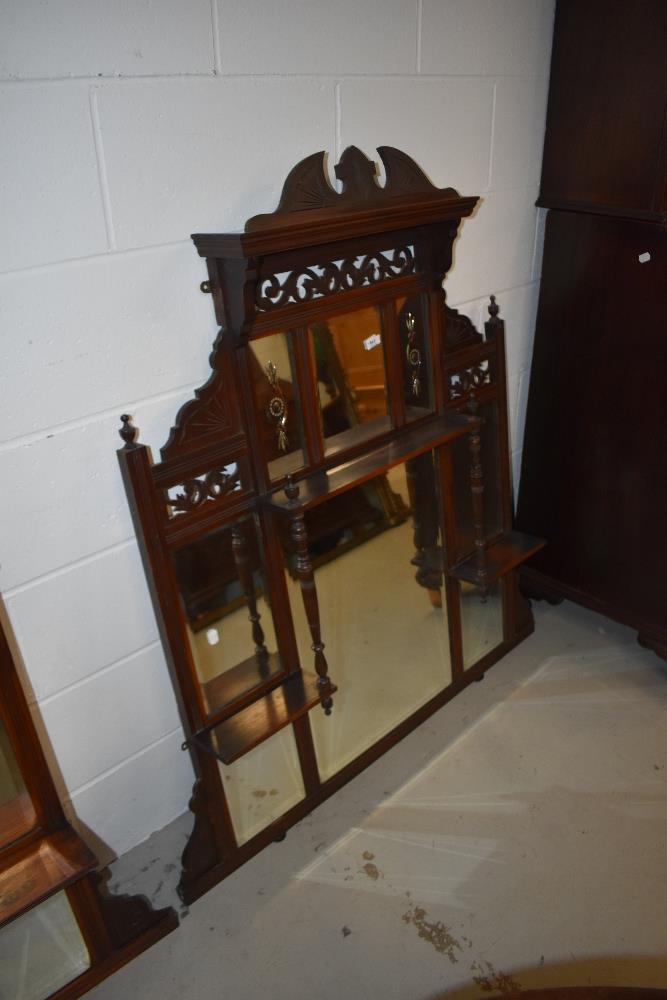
501 557
231 739
46 866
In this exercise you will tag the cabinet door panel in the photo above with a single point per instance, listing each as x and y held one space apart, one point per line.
594 477
605 143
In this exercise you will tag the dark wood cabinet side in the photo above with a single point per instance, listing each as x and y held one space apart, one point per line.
605 147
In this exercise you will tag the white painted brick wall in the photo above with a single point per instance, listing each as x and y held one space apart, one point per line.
125 128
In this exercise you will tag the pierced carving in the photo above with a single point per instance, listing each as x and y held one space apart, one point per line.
195 492
320 280
469 379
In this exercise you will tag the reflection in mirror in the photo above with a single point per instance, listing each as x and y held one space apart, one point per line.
17 814
276 397
263 784
387 642
41 951
415 356
229 623
351 381
481 621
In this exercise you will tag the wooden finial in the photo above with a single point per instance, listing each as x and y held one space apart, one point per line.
493 308
127 431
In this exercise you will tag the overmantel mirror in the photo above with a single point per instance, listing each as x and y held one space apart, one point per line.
328 532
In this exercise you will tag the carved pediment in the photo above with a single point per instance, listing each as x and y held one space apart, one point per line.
307 186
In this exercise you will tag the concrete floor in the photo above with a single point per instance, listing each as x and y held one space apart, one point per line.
517 839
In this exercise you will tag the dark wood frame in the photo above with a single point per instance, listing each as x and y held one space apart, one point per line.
318 254
49 856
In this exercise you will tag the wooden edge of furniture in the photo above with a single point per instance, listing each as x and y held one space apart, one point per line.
539 587
50 857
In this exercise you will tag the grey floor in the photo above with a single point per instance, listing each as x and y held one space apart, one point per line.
516 840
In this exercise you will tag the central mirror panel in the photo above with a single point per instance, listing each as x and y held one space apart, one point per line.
229 624
386 636
348 352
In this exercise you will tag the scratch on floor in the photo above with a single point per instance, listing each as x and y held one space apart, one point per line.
435 932
491 981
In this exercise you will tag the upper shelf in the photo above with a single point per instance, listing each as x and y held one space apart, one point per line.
322 485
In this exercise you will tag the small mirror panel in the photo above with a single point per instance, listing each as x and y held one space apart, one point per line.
350 375
481 621
275 386
228 621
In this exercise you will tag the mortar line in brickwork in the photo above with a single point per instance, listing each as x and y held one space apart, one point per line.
25 440
178 732
102 169
106 255
82 681
215 28
53 574
102 81
489 176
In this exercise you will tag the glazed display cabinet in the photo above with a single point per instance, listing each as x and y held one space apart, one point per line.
61 931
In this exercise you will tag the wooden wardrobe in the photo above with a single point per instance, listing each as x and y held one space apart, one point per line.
594 475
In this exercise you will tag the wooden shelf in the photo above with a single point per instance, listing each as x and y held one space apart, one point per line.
501 557
242 683
321 486
245 730
46 866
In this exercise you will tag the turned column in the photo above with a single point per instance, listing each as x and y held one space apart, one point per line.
304 572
